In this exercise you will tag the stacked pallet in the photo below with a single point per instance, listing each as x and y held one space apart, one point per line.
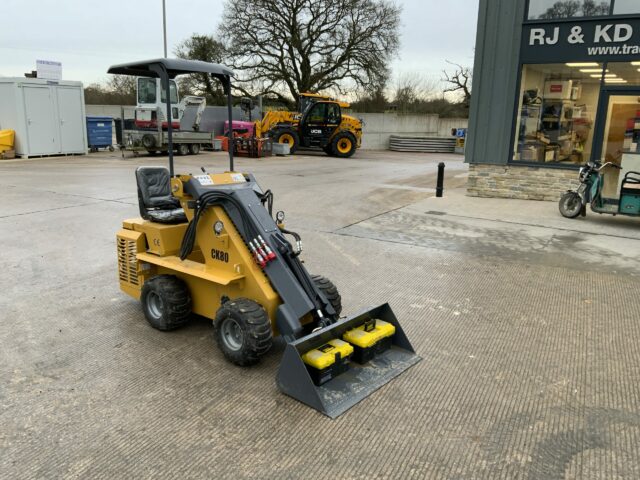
422 143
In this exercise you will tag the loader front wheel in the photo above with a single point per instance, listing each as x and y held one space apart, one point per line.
166 302
343 145
330 291
288 136
243 331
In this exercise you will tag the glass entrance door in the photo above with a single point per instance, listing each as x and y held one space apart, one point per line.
618 137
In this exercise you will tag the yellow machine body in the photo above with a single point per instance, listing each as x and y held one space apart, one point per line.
208 244
220 265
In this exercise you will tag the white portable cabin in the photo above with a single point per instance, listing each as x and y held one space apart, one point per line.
48 116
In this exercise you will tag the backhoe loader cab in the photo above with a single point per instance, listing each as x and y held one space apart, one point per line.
208 244
320 123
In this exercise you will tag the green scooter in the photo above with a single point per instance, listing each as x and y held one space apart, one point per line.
574 203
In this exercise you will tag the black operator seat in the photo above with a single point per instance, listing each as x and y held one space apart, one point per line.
154 196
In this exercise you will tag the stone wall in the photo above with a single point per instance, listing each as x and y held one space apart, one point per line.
527 183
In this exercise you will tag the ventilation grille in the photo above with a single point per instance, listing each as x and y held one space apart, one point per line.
127 263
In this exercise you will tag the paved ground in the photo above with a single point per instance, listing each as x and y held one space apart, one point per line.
527 322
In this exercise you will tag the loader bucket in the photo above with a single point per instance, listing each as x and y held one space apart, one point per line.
347 389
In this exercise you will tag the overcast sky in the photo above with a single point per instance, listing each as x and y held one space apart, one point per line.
88 36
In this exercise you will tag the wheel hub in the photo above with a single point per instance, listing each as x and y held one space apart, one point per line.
344 146
286 138
231 334
154 305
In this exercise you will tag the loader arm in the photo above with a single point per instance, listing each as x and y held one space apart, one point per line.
273 119
242 203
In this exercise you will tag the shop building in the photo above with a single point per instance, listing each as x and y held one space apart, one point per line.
556 84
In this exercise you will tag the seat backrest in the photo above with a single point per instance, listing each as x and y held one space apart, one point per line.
154 187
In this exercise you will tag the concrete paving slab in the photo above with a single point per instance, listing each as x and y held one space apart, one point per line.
530 370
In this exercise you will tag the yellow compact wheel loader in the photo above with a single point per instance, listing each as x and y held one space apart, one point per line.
321 124
208 244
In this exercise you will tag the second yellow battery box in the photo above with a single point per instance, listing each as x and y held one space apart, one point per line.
370 339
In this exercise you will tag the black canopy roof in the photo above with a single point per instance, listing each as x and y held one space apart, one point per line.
174 67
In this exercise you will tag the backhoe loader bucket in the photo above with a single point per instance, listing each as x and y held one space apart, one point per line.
356 383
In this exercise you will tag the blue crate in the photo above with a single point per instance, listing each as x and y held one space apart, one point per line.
99 132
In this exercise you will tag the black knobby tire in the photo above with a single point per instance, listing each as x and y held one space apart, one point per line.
330 291
243 331
148 141
343 145
194 148
183 149
570 205
166 302
288 136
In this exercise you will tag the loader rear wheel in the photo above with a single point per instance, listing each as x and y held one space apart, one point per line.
243 331
288 136
330 291
166 302
343 145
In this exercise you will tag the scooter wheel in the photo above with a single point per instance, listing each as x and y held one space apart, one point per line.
570 205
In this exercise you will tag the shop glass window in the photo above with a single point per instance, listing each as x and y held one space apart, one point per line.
556 113
621 7
552 9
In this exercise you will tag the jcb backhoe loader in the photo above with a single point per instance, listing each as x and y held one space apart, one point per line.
208 244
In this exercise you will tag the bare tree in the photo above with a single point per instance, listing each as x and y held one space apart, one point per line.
374 101
575 8
122 88
284 47
459 81
591 9
412 88
207 49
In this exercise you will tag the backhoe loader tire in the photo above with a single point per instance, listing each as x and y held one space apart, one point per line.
343 145
330 291
243 331
166 302
288 136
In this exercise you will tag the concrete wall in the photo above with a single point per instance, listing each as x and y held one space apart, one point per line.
378 127
495 79
106 110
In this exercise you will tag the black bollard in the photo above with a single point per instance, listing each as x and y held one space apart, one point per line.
440 184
